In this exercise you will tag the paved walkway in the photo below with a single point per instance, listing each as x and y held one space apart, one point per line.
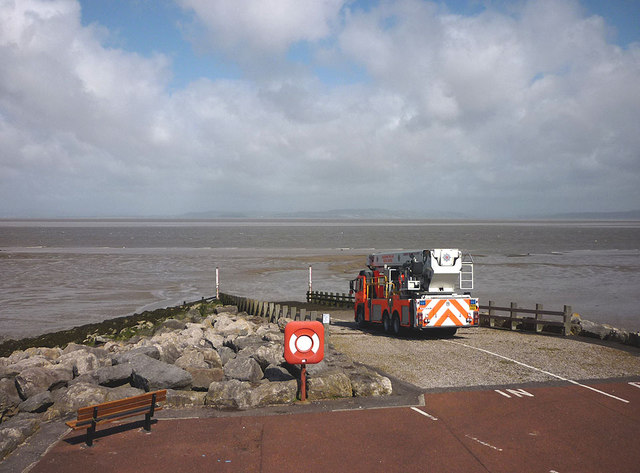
563 428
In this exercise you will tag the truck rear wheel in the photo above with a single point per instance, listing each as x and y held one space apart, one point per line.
395 324
386 323
360 317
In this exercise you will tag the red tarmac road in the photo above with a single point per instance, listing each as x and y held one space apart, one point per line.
562 429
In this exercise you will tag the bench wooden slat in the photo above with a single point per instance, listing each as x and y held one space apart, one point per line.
79 425
142 398
90 416
122 404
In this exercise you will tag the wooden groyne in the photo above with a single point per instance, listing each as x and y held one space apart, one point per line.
268 310
333 299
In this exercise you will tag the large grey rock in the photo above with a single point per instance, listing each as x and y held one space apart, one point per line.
185 398
277 373
151 374
267 354
50 354
329 385
211 357
31 362
282 322
226 354
191 358
243 369
214 338
82 361
113 376
9 371
225 327
36 380
37 403
369 383
266 329
99 352
87 378
594 330
232 394
191 335
76 396
269 394
14 431
270 333
245 341
169 351
235 394
122 392
203 377
9 399
150 351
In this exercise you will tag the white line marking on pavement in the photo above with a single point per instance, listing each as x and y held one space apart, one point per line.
538 369
483 443
424 413
637 385
515 392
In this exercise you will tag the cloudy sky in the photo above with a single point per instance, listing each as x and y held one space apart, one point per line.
160 107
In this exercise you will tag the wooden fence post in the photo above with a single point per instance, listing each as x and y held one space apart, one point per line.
512 315
492 322
539 325
568 312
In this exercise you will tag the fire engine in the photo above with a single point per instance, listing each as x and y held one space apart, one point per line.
421 289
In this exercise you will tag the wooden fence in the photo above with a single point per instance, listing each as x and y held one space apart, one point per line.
491 315
518 318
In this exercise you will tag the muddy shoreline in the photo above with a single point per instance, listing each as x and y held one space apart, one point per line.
84 334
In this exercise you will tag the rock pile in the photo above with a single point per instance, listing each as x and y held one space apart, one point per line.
586 328
224 360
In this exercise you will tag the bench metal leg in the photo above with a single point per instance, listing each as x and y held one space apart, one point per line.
92 430
147 416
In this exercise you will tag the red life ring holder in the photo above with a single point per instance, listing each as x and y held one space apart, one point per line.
303 342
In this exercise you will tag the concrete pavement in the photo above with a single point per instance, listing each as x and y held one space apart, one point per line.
591 427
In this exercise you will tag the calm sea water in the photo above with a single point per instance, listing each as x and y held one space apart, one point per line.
59 274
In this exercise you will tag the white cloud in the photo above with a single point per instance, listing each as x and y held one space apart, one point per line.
269 26
532 111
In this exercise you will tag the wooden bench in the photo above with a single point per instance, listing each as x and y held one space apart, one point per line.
91 416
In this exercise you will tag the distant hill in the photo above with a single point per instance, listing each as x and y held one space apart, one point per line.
627 215
340 214
386 214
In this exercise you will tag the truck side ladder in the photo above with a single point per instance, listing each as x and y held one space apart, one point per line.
466 272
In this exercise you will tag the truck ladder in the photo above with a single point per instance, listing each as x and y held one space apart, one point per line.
466 272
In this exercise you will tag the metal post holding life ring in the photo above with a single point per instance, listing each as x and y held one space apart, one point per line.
303 344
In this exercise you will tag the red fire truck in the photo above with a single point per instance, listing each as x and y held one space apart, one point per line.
421 289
